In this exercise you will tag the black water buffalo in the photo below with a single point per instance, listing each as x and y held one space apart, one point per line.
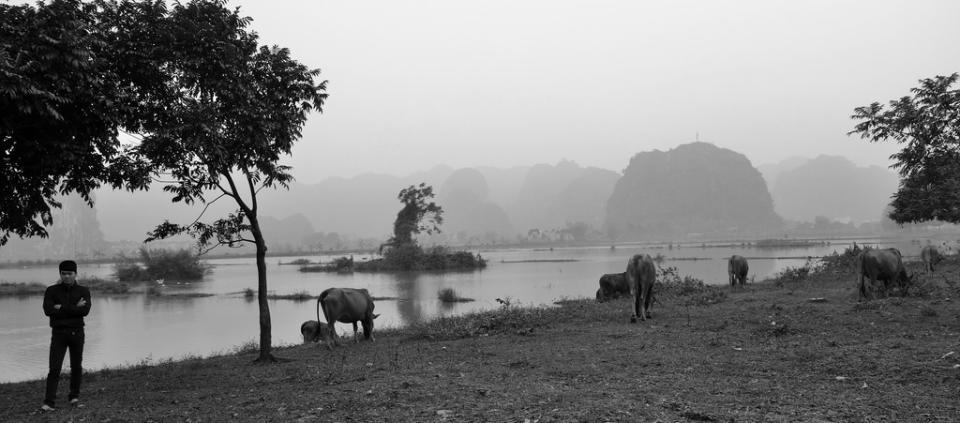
346 305
885 265
737 269
613 285
313 331
931 256
641 274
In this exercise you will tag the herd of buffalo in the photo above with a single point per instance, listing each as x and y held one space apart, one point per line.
349 305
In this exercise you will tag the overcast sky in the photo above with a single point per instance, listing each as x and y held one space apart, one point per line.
418 83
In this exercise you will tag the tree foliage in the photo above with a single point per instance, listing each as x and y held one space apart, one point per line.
234 109
927 123
411 218
215 111
72 75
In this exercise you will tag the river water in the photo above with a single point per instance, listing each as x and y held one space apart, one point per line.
137 328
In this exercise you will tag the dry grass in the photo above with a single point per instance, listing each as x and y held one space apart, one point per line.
766 352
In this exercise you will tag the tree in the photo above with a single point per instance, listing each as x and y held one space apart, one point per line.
237 108
410 219
72 75
928 123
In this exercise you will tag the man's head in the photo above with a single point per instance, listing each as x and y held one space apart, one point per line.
68 271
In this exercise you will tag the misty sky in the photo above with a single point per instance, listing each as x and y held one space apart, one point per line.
498 83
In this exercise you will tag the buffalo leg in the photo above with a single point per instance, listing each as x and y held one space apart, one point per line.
636 306
368 329
331 335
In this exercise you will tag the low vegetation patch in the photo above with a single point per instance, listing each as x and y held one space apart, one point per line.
690 290
11 289
152 265
338 265
99 285
796 274
297 262
410 257
296 296
105 286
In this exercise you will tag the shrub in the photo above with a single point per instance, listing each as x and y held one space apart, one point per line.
695 291
796 274
843 262
162 264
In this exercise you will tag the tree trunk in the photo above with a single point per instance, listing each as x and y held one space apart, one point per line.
265 337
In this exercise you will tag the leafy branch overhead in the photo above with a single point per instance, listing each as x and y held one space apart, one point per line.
928 125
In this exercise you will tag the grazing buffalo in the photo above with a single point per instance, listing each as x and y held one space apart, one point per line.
641 274
737 269
885 265
313 331
931 256
613 285
346 305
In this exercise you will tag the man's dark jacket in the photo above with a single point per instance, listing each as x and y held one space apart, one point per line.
69 315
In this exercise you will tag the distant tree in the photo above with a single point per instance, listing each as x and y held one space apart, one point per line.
410 219
72 74
238 107
928 123
577 230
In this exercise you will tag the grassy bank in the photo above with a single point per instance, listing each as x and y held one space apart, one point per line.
798 349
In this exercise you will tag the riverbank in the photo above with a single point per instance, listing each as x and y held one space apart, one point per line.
777 350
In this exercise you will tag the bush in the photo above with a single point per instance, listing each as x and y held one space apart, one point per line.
845 262
695 291
796 274
413 257
181 265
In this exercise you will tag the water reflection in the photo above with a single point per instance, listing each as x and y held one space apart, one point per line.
410 298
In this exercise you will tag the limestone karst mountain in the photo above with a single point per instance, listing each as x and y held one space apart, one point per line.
468 210
692 189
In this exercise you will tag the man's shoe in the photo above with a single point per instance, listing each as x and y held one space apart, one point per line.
47 407
75 402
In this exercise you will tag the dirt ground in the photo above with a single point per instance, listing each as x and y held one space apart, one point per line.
773 351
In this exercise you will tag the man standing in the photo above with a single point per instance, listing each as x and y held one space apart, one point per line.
66 303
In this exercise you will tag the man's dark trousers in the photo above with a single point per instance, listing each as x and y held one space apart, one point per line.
62 340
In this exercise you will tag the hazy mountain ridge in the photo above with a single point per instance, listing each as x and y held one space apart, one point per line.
693 188
833 187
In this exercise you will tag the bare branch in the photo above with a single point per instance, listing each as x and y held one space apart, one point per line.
205 209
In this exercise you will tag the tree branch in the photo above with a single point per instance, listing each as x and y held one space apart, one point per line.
205 209
236 194
253 192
